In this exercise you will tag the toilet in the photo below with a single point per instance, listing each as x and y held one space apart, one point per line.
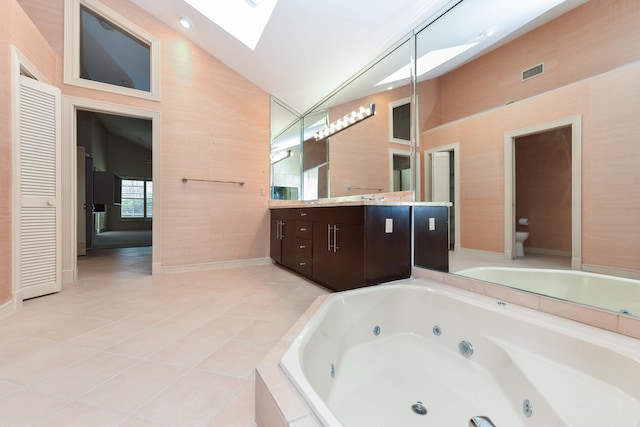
521 236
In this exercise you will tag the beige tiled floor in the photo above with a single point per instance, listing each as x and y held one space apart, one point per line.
123 348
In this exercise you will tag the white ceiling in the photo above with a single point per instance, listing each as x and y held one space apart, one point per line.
311 47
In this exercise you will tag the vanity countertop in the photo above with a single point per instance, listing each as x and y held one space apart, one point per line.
399 198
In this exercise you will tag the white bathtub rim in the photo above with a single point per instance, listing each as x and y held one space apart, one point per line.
291 361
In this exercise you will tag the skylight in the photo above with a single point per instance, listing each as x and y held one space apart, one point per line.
428 62
243 19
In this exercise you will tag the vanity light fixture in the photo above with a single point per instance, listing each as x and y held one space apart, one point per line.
343 123
186 22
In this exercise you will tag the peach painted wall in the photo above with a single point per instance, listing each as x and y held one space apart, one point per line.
476 109
594 38
5 160
215 125
15 29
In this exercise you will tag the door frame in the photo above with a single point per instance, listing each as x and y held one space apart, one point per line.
70 107
576 184
428 171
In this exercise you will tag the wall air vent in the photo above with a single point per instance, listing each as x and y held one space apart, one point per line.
533 71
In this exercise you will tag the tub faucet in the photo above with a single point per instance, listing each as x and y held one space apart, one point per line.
481 422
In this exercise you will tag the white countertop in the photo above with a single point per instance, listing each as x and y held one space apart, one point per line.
399 198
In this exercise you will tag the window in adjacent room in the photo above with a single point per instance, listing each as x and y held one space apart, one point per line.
105 51
137 199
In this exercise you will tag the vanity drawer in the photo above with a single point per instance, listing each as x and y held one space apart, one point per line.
304 229
305 214
304 265
303 247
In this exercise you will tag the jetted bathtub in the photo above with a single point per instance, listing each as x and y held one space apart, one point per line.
423 354
597 290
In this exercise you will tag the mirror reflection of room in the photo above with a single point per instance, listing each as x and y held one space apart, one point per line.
543 130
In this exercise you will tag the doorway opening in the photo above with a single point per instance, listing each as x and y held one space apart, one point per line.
542 190
100 128
115 181
442 184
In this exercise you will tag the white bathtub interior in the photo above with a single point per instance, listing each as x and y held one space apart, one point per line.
571 374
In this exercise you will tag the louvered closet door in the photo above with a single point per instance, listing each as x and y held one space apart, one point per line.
39 187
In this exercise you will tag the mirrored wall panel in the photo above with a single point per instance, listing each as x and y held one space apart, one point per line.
286 153
529 128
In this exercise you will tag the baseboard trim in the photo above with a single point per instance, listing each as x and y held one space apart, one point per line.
543 251
11 306
485 254
212 265
612 271
69 276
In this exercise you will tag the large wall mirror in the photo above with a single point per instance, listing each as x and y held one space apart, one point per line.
369 157
536 136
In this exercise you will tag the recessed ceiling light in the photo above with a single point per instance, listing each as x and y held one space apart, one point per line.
185 22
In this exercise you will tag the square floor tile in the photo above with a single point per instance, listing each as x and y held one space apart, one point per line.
235 358
79 415
192 401
133 388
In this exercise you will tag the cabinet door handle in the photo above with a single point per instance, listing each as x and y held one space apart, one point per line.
281 230
302 264
303 214
302 230
303 247
332 238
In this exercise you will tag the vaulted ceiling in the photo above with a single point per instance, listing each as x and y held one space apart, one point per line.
310 47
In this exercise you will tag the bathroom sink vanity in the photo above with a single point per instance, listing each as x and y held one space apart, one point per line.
344 246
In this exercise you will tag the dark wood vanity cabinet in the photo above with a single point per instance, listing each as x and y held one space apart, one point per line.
283 237
338 247
431 237
347 247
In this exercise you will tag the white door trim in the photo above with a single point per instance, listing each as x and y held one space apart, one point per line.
576 184
70 106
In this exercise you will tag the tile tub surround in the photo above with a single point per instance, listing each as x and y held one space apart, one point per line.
277 402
